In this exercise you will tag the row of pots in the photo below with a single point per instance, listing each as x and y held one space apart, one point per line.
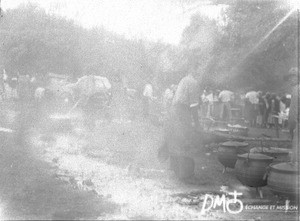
261 167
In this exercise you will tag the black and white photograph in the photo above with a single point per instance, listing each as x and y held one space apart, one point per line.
149 110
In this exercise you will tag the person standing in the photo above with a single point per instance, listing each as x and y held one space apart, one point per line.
147 97
204 104
34 84
225 97
13 83
275 109
251 105
267 111
87 88
210 103
282 110
23 88
261 109
180 129
168 97
186 100
240 103
293 120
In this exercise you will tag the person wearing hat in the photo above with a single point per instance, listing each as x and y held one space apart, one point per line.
293 120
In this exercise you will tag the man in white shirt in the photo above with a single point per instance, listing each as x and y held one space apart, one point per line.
178 130
225 97
251 107
39 94
147 97
186 99
210 99
293 119
168 97
252 96
148 91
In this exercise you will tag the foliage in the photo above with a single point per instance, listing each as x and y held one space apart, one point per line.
233 51
242 50
36 42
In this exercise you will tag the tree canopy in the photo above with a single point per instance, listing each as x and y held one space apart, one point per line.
36 42
251 46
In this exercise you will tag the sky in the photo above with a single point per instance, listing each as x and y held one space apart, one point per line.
153 20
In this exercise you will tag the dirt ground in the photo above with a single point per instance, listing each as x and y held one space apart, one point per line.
113 173
30 189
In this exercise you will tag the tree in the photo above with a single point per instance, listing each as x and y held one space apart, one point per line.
33 41
244 49
36 42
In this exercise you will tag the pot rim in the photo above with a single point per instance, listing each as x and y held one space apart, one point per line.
272 168
235 144
268 158
271 151
238 127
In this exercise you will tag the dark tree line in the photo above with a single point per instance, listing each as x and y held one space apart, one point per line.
33 41
245 50
239 51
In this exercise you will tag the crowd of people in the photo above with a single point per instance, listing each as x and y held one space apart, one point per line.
184 104
18 86
256 108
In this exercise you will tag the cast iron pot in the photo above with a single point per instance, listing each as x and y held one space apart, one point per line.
228 151
250 169
282 179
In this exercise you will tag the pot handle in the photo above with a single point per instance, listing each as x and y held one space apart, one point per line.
267 173
247 159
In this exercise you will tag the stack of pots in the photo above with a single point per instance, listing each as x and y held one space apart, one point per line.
251 168
228 152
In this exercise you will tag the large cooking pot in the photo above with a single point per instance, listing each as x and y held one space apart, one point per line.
283 179
228 151
279 154
250 169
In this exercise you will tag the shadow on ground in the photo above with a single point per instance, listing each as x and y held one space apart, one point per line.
29 189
